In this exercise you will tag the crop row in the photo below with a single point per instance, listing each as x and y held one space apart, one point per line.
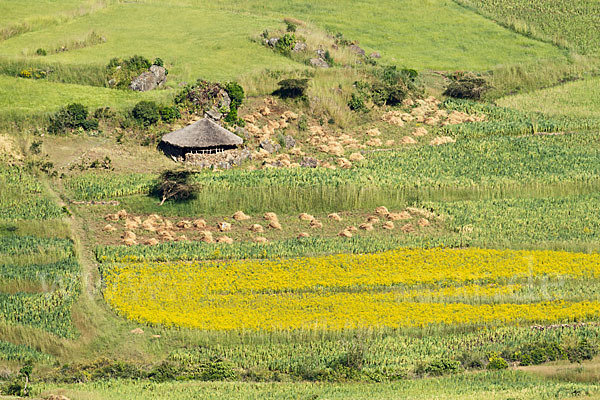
23 196
507 121
54 285
349 291
475 168
557 223
13 352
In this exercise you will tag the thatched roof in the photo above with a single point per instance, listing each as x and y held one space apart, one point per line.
203 133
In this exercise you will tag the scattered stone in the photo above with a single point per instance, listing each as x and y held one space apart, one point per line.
356 50
269 146
309 162
319 63
213 114
289 142
149 80
273 41
300 46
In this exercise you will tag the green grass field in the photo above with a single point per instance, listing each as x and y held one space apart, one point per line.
490 239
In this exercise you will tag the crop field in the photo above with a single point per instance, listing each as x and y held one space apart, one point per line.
493 386
412 213
573 25
349 292
23 197
36 294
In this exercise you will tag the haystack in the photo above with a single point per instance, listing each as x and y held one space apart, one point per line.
240 216
256 228
388 225
316 224
442 140
345 233
356 157
129 235
399 216
129 242
109 228
206 237
351 229
224 226
372 219
225 239
275 225
199 223
408 140
131 224
111 217
185 224
408 228
382 211
334 217
271 216
302 235
122 214
260 239
151 242
423 222
366 226
305 217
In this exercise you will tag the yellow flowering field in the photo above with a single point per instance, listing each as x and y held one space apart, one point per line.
398 288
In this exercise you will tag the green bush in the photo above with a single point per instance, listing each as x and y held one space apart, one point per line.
584 350
497 363
158 62
218 370
199 97
236 93
286 43
357 103
105 113
70 117
40 52
439 367
169 114
146 112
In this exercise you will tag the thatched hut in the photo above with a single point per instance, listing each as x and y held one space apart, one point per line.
201 137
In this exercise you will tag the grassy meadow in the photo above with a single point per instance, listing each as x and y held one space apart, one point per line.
441 248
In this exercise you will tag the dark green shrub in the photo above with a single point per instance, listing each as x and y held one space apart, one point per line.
175 185
357 103
146 112
286 43
439 367
164 372
236 93
90 125
303 123
158 62
117 370
584 350
70 117
292 88
40 52
497 362
169 114
105 113
218 370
